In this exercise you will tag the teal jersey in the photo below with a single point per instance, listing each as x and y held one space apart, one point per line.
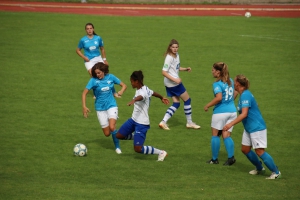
103 91
227 103
254 121
91 46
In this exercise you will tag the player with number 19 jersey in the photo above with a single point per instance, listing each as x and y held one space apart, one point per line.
227 103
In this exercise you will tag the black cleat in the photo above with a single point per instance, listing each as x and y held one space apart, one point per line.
230 161
211 161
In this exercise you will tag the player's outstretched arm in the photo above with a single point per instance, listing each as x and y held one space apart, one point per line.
163 99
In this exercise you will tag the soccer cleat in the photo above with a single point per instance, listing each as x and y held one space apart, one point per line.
163 125
211 161
230 161
257 172
274 176
118 151
192 125
162 155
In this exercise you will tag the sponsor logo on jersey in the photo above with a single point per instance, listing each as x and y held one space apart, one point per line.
105 88
245 102
92 48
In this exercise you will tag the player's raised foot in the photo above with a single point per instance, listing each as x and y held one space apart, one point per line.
230 161
274 176
117 95
211 161
257 172
193 125
162 155
163 125
118 151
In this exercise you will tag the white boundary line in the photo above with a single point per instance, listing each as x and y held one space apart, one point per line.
149 8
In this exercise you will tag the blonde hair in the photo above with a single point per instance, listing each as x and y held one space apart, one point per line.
243 81
224 73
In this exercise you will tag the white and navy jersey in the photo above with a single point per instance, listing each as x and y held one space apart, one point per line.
172 66
103 91
227 103
140 111
91 46
254 121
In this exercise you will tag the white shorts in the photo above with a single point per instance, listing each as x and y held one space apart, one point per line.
104 116
256 140
218 121
92 62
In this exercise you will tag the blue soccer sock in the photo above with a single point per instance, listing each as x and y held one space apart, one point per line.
269 162
215 147
229 145
171 111
149 150
253 158
188 110
115 139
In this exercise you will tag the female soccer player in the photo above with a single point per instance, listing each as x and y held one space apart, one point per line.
94 51
174 86
102 84
139 123
255 130
223 113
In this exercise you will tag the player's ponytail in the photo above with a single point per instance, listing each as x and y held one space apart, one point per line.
224 72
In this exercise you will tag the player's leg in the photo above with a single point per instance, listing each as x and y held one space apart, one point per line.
139 140
215 146
252 157
188 109
228 142
113 116
259 143
170 112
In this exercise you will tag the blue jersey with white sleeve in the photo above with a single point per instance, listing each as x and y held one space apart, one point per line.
227 103
103 91
254 121
91 46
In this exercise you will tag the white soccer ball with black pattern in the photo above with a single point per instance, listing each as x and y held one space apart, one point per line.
80 150
247 14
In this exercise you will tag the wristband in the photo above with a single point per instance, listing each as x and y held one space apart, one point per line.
104 59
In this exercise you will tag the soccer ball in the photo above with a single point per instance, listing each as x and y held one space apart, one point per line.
247 14
80 150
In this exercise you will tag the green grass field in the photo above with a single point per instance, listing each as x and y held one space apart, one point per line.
42 79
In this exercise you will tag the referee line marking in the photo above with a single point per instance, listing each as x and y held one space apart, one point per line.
270 38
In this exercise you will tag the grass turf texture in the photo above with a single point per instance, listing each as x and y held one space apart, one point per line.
41 83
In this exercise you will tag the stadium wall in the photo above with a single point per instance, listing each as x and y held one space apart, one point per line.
202 1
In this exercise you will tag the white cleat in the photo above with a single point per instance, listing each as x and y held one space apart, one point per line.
163 125
257 172
274 176
193 125
118 151
162 155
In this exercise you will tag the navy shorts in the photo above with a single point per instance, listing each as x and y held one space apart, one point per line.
140 131
175 91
